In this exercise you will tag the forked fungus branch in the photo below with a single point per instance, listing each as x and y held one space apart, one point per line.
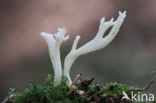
54 42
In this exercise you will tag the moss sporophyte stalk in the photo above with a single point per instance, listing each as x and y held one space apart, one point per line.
61 89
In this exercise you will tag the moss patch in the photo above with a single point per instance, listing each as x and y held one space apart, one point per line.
84 91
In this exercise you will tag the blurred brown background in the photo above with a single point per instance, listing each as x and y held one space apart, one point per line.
24 57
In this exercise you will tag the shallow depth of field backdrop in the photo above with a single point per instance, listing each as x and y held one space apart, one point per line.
130 58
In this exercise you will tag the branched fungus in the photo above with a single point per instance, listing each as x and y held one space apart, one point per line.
54 42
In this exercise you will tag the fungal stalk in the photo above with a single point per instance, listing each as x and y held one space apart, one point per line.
54 42
98 42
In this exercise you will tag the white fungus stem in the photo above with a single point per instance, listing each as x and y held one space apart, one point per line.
98 42
54 42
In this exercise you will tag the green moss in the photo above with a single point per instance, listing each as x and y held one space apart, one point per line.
42 93
48 92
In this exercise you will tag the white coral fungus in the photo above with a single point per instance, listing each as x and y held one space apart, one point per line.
54 42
